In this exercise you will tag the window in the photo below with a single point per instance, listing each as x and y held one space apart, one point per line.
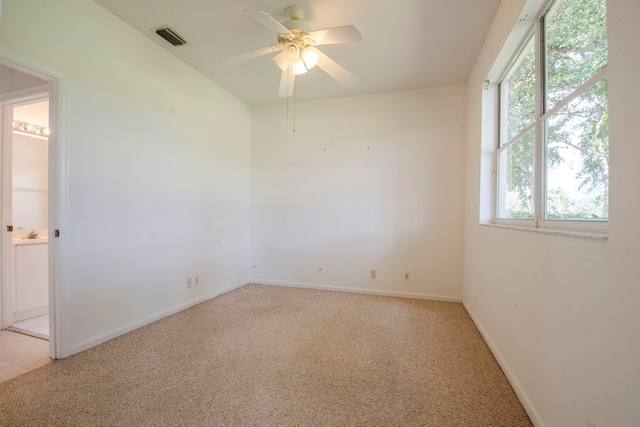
553 152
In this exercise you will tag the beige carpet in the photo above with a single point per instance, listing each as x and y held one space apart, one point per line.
285 357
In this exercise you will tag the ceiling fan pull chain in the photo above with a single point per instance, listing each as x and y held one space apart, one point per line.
294 105
287 95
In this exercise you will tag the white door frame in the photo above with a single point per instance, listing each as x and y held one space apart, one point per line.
57 187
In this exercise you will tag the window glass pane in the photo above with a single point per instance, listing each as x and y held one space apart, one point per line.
515 178
577 153
576 45
518 94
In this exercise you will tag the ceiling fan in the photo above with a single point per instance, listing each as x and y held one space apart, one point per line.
296 44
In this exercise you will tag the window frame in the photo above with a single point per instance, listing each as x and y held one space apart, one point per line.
542 114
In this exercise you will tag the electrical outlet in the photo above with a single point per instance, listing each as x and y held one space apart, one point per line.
189 282
407 276
372 274
197 281
321 269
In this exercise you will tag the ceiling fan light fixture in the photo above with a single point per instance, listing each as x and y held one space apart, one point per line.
298 67
309 58
300 62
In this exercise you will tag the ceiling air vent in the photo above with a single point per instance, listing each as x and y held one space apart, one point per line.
171 36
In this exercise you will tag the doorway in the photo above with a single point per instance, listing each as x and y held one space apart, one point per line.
28 145
27 196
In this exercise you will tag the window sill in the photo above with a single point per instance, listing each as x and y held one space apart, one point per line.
570 233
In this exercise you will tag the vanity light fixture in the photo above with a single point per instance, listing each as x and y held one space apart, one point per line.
30 129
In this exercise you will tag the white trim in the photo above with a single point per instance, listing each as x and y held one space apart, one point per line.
58 208
556 231
604 71
28 314
400 294
114 333
6 252
30 190
515 222
27 94
540 136
517 137
524 398
593 229
599 226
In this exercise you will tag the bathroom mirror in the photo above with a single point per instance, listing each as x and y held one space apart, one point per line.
30 166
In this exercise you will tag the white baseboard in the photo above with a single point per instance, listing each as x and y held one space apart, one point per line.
413 295
528 405
28 314
140 323
150 319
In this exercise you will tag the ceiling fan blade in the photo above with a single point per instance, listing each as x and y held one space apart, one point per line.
287 81
253 54
346 34
267 20
335 70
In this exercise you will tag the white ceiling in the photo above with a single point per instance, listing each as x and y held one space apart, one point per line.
407 44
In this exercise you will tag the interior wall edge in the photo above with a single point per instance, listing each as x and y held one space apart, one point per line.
368 291
518 388
164 140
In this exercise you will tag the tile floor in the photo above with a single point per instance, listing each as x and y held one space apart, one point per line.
21 353
37 326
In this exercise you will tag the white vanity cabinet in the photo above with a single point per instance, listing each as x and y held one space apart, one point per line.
31 293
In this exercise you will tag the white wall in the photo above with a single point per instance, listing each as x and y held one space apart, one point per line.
561 313
156 175
368 182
